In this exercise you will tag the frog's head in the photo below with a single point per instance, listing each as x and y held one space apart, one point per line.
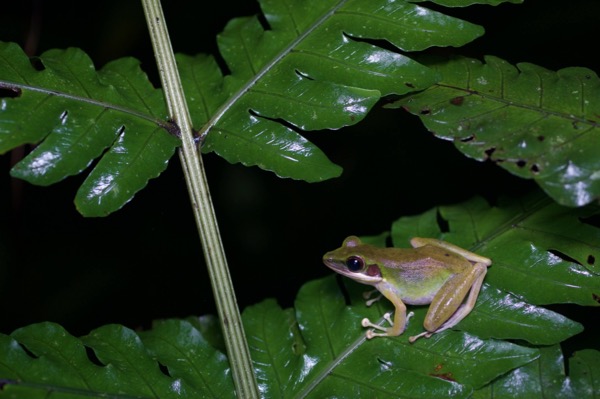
355 260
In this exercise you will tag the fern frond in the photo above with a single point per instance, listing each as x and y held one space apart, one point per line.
318 65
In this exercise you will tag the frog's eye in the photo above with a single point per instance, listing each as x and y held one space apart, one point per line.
354 263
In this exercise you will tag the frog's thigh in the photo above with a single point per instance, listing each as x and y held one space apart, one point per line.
420 242
445 310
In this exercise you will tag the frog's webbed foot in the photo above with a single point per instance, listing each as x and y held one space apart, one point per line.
386 330
367 295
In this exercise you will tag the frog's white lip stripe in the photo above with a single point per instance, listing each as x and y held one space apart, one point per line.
360 276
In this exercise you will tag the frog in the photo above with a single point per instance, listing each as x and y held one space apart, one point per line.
433 272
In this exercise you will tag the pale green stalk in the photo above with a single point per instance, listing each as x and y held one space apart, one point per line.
229 315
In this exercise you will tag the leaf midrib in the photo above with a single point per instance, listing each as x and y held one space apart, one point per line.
235 97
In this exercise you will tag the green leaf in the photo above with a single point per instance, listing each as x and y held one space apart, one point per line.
464 3
328 352
545 377
43 360
542 252
319 347
185 352
501 315
583 373
313 69
80 113
536 123
516 282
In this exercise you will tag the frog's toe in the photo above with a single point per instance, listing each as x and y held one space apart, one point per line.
425 334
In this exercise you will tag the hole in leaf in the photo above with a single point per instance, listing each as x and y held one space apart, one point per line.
593 220
591 259
564 256
28 352
163 369
467 139
541 138
521 163
384 44
457 100
37 63
442 223
278 120
9 91
490 151
534 168
385 365
302 74
91 355
63 117
408 84
596 297
425 111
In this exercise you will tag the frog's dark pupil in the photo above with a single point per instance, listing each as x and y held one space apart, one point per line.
354 263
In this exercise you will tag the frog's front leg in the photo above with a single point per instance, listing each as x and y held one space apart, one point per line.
397 326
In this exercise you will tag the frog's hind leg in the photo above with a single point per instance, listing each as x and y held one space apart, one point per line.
450 297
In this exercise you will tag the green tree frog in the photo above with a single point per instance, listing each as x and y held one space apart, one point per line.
432 272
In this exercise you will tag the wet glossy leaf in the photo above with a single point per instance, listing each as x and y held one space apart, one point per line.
328 353
536 123
43 360
188 356
314 350
546 377
80 113
502 315
464 3
312 69
318 348
542 252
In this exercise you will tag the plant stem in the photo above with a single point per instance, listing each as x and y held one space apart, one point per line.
229 315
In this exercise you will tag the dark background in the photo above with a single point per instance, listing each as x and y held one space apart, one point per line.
144 262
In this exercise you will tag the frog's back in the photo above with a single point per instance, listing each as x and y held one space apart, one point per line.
422 271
